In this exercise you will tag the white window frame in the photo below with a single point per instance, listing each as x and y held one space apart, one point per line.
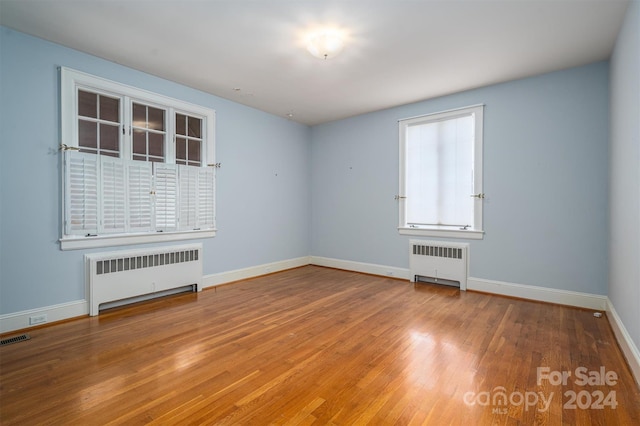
475 231
72 80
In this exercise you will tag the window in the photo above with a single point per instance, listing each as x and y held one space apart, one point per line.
441 174
137 166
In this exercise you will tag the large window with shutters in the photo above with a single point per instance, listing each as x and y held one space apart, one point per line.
441 174
137 166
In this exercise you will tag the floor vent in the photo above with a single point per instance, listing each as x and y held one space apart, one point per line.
15 339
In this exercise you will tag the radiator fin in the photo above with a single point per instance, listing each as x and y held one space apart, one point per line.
122 264
436 251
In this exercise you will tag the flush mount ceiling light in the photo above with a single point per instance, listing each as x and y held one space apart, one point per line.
325 44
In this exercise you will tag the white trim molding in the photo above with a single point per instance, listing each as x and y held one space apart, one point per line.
220 278
75 243
20 320
468 234
628 347
367 268
542 294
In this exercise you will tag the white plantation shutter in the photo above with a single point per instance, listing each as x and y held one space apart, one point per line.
188 197
140 176
113 195
206 195
166 199
81 194
110 195
107 195
196 198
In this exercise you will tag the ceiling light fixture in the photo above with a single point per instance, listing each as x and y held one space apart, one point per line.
325 44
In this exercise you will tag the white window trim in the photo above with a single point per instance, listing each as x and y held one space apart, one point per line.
77 242
70 80
476 232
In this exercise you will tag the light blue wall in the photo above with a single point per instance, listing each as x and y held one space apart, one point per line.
286 191
262 190
545 176
624 277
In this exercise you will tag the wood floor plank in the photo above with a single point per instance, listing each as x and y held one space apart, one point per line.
318 346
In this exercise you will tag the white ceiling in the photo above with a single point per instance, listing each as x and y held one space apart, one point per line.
396 52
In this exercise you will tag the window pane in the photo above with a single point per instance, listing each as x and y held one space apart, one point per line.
109 137
139 115
181 148
195 127
156 144
139 142
194 151
87 134
181 126
87 104
109 109
156 118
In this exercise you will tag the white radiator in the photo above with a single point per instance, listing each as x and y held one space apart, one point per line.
120 275
440 262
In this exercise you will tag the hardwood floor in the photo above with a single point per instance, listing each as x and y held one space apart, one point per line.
320 346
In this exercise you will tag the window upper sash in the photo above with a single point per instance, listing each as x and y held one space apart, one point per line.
133 103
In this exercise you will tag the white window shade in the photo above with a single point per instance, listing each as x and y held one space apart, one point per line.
440 173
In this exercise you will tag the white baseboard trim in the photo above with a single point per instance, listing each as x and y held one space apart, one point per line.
20 320
541 294
367 268
629 349
213 280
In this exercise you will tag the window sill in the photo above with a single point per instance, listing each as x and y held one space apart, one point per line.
76 243
469 234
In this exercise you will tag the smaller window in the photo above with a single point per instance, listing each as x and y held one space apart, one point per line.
441 174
